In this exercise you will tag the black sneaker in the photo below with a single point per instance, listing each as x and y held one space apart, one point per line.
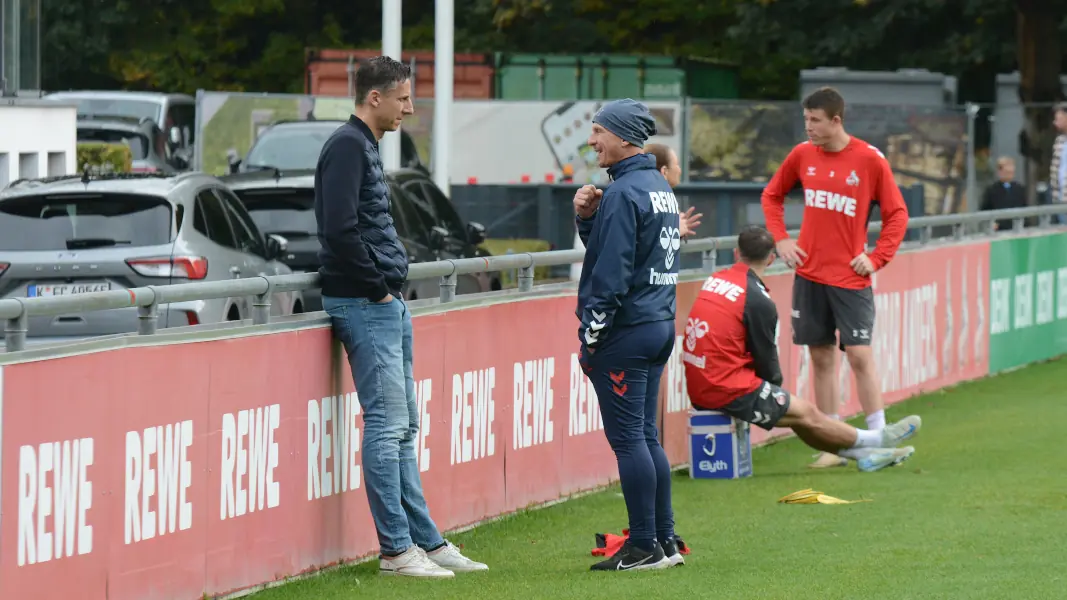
632 558
672 552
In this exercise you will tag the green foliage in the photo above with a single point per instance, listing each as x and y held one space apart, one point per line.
104 157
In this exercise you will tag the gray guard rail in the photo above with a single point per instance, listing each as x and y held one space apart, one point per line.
16 311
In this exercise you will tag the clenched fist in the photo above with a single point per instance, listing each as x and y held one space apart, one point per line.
586 200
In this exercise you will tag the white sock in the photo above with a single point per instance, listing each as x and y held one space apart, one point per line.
876 420
865 438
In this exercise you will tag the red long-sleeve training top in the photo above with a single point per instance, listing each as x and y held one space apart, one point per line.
839 188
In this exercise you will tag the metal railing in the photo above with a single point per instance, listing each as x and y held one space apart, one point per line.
16 311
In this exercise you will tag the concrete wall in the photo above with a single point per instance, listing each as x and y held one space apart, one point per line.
37 139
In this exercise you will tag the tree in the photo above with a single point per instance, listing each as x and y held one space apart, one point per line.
1040 56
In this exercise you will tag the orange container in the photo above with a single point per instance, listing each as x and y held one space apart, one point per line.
327 73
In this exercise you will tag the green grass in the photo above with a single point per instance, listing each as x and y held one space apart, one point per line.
980 511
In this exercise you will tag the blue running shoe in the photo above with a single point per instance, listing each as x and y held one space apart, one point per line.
881 458
904 429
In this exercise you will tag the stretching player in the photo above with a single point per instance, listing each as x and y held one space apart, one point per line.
731 364
842 176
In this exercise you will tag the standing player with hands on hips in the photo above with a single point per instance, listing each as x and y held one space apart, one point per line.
842 177
626 304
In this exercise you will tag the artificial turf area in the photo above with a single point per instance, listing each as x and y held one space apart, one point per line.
980 511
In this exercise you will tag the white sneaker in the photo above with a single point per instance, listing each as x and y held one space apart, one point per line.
904 429
449 557
412 563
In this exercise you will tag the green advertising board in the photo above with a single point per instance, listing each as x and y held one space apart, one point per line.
1027 300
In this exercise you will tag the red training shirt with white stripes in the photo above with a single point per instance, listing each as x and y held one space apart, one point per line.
839 188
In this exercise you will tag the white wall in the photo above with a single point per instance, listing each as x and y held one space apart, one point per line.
38 138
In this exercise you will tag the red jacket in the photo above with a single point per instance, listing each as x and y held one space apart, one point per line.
731 338
839 188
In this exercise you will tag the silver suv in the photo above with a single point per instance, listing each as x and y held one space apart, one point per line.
81 233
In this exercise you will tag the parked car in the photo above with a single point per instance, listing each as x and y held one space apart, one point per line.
148 147
282 203
80 233
174 114
295 145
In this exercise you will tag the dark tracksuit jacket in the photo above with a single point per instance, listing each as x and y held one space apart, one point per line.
632 252
361 254
730 346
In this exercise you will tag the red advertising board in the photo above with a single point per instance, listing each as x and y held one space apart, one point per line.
174 471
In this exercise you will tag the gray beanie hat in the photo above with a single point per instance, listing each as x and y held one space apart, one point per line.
628 119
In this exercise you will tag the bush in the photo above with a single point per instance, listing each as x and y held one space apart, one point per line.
104 158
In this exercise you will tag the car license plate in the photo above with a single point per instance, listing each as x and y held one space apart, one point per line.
66 289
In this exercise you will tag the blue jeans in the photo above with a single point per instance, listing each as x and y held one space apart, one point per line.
378 341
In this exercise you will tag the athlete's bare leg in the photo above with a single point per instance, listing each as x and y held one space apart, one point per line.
816 429
868 386
824 377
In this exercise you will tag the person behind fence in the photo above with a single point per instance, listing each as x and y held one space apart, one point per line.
364 267
1057 189
626 305
668 164
1004 193
731 363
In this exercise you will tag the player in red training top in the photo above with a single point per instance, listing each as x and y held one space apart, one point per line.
731 363
842 177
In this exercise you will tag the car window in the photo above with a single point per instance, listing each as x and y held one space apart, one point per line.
210 219
59 222
290 147
183 116
289 213
416 222
114 107
245 231
138 143
444 210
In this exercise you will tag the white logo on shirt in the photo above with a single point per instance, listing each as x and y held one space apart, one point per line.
811 170
830 201
694 330
671 240
853 179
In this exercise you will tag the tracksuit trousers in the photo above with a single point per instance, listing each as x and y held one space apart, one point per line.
626 373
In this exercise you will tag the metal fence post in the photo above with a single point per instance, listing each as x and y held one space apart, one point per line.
147 319
15 331
526 277
1018 223
1044 220
972 175
925 235
448 288
261 305
957 232
710 258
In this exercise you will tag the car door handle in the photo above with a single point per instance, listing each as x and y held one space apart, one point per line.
235 271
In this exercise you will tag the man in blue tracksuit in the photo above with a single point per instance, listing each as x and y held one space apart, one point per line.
626 304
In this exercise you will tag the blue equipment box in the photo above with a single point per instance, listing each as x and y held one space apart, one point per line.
719 446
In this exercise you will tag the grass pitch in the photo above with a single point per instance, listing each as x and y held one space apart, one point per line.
980 511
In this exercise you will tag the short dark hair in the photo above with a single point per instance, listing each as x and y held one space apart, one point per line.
379 73
828 100
661 152
755 243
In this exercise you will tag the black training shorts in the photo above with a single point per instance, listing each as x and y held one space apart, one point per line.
821 311
764 406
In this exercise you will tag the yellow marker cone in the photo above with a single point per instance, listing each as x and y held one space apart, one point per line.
809 496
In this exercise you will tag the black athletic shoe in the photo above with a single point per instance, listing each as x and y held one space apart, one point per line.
632 558
672 552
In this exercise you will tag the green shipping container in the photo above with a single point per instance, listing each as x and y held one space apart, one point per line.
607 76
